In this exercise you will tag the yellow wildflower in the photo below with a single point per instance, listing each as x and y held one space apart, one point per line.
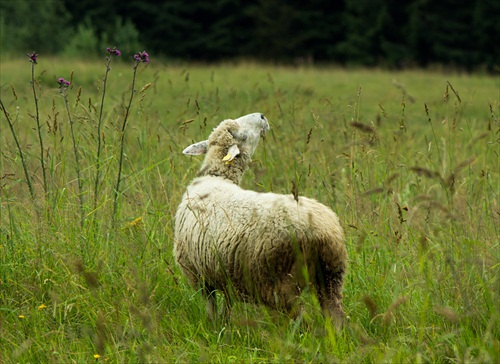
135 223
96 356
21 316
41 307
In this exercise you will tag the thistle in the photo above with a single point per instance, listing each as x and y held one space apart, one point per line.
63 87
112 52
33 59
141 57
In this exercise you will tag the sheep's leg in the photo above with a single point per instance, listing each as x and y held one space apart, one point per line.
226 308
330 295
287 293
210 294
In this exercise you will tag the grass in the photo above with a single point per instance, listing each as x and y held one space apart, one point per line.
408 160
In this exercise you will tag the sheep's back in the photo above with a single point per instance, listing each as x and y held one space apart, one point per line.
224 232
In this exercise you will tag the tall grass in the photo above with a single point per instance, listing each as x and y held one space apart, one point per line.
408 160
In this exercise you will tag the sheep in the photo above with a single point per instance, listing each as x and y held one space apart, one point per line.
255 247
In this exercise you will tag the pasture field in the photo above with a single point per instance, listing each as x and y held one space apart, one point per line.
409 161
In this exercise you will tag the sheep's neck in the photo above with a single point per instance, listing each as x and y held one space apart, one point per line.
232 171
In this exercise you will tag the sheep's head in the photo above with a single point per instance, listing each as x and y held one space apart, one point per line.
230 146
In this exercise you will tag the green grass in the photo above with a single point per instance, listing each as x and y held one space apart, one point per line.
412 174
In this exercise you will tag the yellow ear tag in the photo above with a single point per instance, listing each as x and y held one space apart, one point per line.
228 159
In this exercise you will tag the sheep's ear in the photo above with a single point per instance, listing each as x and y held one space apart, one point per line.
232 152
197 148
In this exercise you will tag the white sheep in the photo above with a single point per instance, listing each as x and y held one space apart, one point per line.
255 247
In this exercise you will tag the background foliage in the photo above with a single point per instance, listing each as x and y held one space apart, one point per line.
388 33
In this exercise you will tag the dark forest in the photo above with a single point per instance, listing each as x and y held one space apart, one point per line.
394 34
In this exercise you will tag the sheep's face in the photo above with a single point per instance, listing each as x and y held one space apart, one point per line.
234 137
252 127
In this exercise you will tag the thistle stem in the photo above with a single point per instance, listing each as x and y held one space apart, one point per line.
122 143
99 124
39 127
77 158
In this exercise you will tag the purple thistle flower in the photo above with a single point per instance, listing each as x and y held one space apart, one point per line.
63 83
113 51
142 57
32 56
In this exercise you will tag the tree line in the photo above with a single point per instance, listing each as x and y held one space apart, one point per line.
390 33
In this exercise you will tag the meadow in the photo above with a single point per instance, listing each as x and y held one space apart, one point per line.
409 160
